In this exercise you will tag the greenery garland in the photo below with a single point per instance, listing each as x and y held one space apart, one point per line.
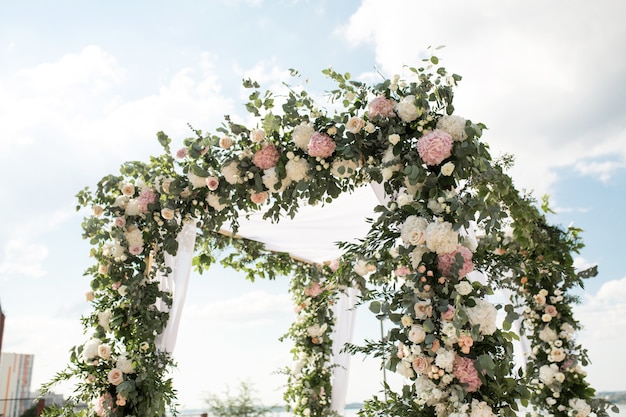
418 264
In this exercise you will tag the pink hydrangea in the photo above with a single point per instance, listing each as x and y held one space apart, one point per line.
266 157
104 405
145 198
381 106
434 147
446 260
466 373
321 145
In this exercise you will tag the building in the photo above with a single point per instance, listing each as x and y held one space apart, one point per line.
15 374
1 328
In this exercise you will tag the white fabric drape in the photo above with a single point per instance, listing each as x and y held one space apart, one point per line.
345 312
176 283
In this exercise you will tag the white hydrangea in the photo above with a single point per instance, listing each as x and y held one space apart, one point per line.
484 314
454 126
214 201
547 334
231 173
440 237
445 359
301 135
297 169
407 110
270 180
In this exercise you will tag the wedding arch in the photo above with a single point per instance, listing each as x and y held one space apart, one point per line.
447 229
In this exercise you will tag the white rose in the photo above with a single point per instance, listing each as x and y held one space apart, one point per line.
355 124
104 351
447 169
394 138
370 127
403 199
464 288
413 230
257 135
90 349
417 334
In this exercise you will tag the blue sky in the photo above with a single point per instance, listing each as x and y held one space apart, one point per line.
85 86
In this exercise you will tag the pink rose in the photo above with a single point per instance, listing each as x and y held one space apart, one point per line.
181 153
446 260
434 147
321 145
120 221
420 364
135 250
226 142
448 315
334 265
259 198
402 271
266 157
551 310
115 376
103 405
381 106
212 183
313 290
465 372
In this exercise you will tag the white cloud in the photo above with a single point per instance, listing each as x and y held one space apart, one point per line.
533 72
21 257
602 170
603 320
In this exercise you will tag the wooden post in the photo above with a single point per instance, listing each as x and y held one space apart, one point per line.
204 415
40 406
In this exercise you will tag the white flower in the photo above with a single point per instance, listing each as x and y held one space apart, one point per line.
407 321
316 330
363 268
124 364
445 359
484 314
454 126
133 208
370 127
413 230
556 355
481 409
547 373
417 334
355 124
449 332
297 169
405 369
90 349
440 237
403 199
257 135
580 407
302 135
464 287
270 180
547 334
195 180
407 110
214 201
231 173
394 138
133 236
104 351
104 318
122 290
447 169
417 254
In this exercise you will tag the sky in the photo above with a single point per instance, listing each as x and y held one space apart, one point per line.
85 85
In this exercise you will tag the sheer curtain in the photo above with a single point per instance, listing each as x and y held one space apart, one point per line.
345 313
176 283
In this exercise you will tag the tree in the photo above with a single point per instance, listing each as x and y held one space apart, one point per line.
242 404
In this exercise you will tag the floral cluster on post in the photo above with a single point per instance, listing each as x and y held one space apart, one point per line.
309 379
421 265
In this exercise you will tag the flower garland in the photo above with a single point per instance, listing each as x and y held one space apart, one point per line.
309 380
417 262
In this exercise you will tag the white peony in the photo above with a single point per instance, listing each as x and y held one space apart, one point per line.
90 349
125 365
257 135
133 208
547 373
454 126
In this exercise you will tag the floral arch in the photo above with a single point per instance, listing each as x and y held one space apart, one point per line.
449 230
